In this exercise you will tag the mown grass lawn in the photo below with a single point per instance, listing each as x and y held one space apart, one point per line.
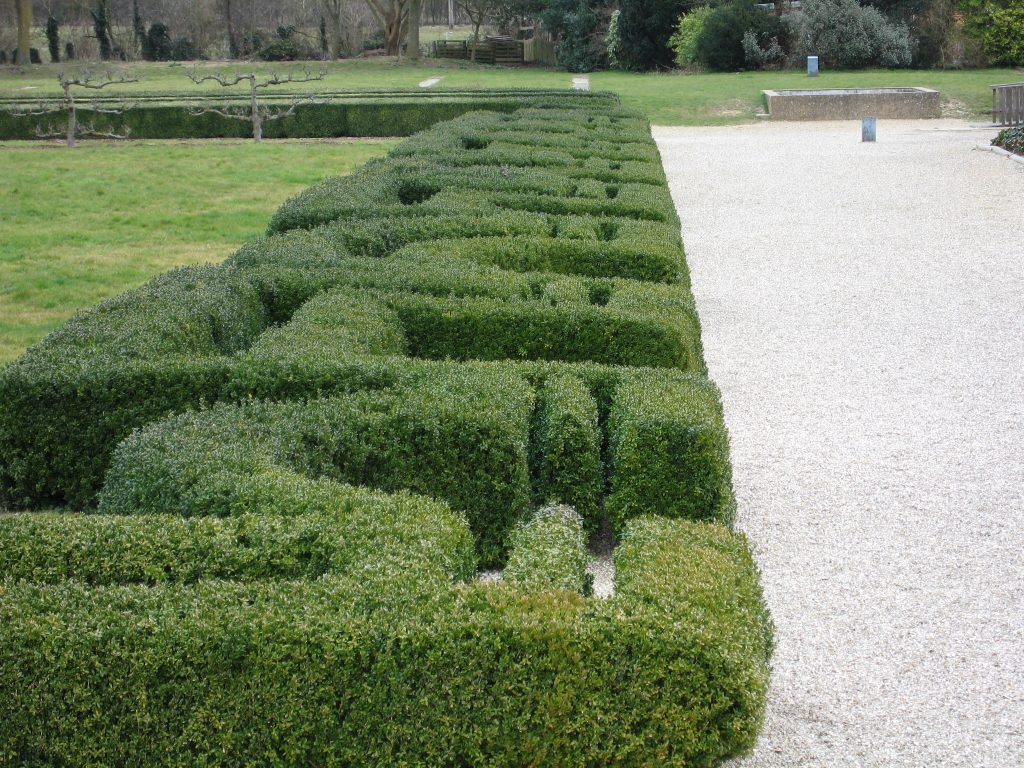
79 225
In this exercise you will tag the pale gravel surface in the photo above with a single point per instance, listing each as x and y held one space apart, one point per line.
863 314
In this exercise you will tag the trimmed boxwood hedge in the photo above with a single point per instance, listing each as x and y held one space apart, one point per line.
382 669
567 448
282 527
549 551
497 316
457 435
669 451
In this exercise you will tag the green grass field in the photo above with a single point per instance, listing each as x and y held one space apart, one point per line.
79 225
667 98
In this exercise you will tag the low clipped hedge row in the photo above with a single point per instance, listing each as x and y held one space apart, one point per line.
457 435
496 167
369 114
276 526
567 447
260 583
381 669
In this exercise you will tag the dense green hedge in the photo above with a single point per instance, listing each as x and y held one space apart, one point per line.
549 551
394 113
382 669
498 317
458 435
133 358
567 448
669 451
282 527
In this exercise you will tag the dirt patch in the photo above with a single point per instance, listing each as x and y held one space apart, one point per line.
734 108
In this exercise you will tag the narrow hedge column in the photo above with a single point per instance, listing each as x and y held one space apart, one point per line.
567 448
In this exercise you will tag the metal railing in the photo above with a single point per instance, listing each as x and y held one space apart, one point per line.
1008 104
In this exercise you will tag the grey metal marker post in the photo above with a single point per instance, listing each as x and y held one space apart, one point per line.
812 66
867 129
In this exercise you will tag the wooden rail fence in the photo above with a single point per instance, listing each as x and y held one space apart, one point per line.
1008 104
493 50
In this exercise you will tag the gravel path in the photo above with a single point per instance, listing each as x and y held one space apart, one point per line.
863 314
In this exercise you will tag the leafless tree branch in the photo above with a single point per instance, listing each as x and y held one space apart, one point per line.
196 112
88 129
218 78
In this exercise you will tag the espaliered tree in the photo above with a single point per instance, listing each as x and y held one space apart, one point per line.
75 129
255 112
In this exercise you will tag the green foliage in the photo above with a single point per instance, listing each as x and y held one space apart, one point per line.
720 41
101 26
591 258
1003 35
53 38
645 27
159 46
184 49
393 113
580 38
688 31
613 40
669 451
1011 139
280 49
844 34
456 435
130 359
567 448
485 675
549 552
266 538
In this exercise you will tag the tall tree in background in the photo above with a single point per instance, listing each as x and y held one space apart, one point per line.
477 11
140 32
580 28
24 32
644 29
233 47
101 25
334 10
412 45
391 15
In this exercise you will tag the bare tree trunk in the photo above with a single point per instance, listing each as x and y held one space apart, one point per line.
415 8
476 38
393 35
24 32
336 32
413 40
257 121
233 51
72 125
